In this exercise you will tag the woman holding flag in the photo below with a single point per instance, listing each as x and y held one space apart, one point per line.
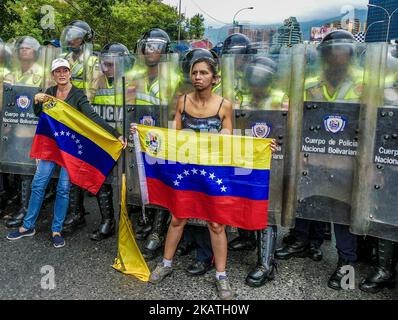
201 110
64 91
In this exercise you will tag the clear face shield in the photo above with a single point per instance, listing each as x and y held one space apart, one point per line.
337 53
259 80
152 49
72 38
108 65
28 50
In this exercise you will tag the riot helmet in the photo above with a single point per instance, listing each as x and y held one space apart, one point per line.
154 40
27 48
115 53
337 44
75 35
237 43
260 72
193 55
153 44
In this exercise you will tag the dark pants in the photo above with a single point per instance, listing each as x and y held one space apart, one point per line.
309 231
346 242
1 184
313 232
200 237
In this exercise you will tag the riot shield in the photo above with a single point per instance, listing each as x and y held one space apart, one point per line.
107 98
51 53
2 68
328 130
149 92
260 98
374 210
25 79
84 64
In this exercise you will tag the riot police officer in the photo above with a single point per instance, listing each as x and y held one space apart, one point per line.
240 45
76 39
28 73
337 81
144 78
259 94
114 60
384 274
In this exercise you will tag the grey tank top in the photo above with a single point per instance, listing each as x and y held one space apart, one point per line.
212 123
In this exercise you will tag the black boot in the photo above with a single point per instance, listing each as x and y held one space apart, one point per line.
145 228
17 219
75 218
295 249
245 241
335 279
384 274
289 238
157 236
264 270
105 203
367 249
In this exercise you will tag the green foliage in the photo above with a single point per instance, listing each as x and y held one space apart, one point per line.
112 20
196 27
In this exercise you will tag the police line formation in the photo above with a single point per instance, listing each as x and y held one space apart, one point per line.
332 108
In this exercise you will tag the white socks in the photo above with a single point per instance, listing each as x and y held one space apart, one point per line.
167 263
221 274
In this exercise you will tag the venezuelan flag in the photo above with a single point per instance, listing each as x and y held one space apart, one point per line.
69 138
213 177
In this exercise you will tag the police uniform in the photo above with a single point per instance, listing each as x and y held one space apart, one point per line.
384 274
347 87
33 77
148 91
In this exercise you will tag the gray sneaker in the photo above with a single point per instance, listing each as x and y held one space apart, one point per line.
160 273
224 290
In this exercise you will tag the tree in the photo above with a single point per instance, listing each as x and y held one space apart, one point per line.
7 16
196 26
112 20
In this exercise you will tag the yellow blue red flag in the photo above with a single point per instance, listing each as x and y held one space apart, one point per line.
67 137
213 177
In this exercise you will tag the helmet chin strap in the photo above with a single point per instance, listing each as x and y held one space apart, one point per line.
75 50
151 64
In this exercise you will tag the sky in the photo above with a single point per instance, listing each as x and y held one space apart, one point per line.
265 11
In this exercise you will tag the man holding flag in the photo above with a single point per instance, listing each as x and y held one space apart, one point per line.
71 134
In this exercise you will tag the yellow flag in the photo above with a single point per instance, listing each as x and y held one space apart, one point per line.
129 258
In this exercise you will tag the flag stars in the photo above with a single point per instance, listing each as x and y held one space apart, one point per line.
212 176
179 177
186 172
77 141
223 189
219 181
56 134
203 172
62 133
67 133
80 146
194 171
176 183
73 137
80 152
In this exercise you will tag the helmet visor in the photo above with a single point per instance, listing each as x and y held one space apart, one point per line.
71 35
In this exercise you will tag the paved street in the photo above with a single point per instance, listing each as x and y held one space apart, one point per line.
83 271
